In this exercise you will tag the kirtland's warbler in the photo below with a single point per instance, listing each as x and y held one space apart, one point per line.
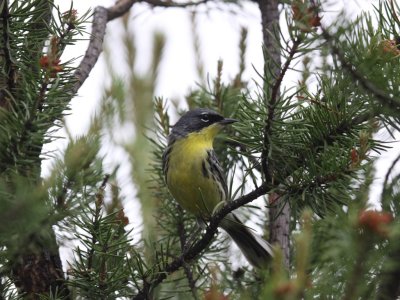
196 180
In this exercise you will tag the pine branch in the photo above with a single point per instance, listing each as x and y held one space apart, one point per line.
36 267
275 91
38 27
8 83
356 275
389 287
319 181
186 266
96 217
198 247
384 98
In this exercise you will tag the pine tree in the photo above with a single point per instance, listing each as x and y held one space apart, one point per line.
308 150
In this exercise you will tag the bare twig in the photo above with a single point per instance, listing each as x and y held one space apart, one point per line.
103 15
122 6
119 9
94 49
159 3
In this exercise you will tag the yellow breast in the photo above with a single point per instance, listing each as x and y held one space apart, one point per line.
187 179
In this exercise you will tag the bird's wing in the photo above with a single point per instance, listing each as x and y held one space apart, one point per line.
217 170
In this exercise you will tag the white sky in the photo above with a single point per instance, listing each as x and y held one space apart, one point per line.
219 37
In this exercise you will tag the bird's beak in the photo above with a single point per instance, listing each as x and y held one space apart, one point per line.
227 121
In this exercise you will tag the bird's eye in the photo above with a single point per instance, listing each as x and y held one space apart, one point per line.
205 118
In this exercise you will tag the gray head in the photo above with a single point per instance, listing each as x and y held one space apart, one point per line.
196 120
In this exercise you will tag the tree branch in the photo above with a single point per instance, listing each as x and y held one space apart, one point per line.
183 241
385 187
204 241
160 3
101 17
279 216
94 49
119 9
275 91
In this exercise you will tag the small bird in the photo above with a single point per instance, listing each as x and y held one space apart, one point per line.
196 180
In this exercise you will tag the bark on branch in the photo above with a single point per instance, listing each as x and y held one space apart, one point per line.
279 213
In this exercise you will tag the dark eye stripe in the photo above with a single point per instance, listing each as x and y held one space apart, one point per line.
212 118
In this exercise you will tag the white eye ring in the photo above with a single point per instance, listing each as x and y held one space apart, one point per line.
205 118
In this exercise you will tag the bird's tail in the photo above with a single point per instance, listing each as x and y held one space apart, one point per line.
257 250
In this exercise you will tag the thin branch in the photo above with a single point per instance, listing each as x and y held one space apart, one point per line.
317 181
97 215
159 3
60 199
245 152
278 82
205 240
94 49
101 17
102 281
186 266
272 105
40 99
384 203
119 9
389 171
280 214
123 6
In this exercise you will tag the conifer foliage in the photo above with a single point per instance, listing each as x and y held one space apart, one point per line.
309 149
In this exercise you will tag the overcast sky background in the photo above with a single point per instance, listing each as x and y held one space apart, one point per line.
218 26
